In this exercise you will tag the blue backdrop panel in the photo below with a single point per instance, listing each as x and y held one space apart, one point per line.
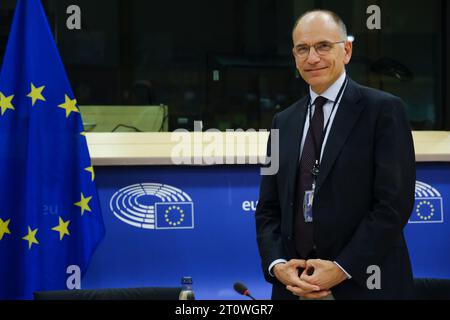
218 250
166 222
429 239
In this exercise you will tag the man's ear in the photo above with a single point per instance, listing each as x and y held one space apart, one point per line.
348 49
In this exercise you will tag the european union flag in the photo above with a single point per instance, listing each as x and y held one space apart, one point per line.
50 219
427 210
174 215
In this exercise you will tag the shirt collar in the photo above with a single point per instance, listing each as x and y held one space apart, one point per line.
332 92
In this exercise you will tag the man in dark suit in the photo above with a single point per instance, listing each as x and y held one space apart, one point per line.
330 221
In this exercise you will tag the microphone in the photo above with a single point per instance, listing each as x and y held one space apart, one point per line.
242 289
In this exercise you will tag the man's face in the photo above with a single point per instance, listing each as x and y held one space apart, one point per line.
320 70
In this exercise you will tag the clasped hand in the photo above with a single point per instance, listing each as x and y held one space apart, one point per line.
311 279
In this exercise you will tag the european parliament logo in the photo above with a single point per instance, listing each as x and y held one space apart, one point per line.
153 206
428 206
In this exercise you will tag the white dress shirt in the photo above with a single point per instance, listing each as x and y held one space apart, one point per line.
331 94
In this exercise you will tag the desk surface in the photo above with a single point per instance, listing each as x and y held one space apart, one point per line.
156 148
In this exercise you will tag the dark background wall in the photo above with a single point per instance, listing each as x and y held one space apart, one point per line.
228 62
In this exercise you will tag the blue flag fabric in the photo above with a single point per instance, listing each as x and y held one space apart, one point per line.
50 218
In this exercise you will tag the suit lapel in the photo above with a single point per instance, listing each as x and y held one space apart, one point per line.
295 125
346 116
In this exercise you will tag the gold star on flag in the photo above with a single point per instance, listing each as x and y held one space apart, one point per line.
36 94
83 203
4 228
69 105
31 237
62 228
91 170
5 103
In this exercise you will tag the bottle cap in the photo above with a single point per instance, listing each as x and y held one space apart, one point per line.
186 280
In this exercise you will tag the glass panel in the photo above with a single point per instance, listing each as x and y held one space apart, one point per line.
228 63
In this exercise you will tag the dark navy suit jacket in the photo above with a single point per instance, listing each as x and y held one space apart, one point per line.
364 194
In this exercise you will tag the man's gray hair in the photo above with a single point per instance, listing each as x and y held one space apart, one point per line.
332 14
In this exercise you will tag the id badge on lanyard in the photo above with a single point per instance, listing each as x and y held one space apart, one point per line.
308 200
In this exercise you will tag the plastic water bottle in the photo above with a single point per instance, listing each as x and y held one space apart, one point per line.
186 292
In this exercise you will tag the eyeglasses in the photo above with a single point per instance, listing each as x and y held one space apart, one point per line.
321 48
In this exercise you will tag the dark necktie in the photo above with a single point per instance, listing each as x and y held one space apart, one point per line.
303 232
